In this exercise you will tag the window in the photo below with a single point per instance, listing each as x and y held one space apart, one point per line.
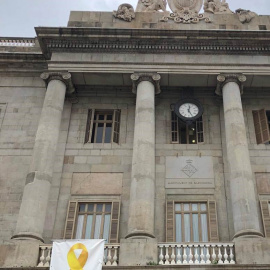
261 120
265 210
103 126
262 27
191 221
186 134
93 220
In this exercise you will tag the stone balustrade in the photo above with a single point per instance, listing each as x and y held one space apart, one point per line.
110 255
22 42
196 253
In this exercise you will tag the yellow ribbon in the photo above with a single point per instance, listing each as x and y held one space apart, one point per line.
73 262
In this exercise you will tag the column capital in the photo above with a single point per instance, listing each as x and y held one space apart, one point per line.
225 78
64 77
154 78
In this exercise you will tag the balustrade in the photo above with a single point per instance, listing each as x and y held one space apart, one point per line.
110 255
196 253
23 42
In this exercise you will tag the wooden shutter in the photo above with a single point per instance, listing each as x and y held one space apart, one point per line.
89 126
265 217
70 220
116 125
115 222
174 128
261 126
170 222
213 221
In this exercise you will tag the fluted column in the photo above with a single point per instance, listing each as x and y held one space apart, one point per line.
142 190
33 209
244 204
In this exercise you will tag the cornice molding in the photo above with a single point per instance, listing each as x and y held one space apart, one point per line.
226 78
152 41
154 78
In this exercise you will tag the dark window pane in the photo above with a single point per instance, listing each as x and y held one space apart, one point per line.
109 117
108 133
183 133
82 208
101 117
99 207
99 133
90 207
108 208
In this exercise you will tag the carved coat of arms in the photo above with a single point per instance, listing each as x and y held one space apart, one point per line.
179 5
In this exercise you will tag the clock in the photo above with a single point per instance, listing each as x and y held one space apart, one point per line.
188 110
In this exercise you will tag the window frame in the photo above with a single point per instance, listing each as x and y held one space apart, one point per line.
115 122
175 132
261 126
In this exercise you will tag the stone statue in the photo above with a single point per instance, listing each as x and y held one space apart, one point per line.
151 5
217 6
125 12
245 16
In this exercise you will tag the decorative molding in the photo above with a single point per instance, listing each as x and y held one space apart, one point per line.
154 78
151 5
245 16
186 16
225 78
64 77
125 12
18 42
217 7
158 41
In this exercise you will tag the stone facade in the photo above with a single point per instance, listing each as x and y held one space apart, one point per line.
46 161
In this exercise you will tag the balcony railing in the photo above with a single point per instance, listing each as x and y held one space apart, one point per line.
110 255
196 253
17 42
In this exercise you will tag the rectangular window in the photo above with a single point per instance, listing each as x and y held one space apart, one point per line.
103 126
265 211
93 220
186 134
261 120
191 222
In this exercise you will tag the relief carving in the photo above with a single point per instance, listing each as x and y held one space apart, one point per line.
245 16
151 5
125 12
217 7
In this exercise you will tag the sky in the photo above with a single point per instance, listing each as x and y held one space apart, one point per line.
19 17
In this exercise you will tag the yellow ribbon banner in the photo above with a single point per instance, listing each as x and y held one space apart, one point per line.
74 262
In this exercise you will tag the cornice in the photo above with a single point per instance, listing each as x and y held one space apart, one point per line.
152 41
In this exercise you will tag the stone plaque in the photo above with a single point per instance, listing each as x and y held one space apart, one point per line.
189 172
97 183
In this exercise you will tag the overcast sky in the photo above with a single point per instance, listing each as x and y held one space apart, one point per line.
19 17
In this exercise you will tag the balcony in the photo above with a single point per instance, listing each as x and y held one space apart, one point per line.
169 254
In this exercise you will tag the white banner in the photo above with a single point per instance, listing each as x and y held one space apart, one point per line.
77 255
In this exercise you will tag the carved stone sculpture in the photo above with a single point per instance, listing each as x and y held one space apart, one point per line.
151 5
185 11
125 12
217 7
245 16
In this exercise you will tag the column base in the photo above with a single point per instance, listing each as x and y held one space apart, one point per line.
136 252
19 253
27 236
248 234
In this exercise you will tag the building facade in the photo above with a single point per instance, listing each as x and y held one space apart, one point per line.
148 128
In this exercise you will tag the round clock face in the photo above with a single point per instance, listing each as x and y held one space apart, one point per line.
189 110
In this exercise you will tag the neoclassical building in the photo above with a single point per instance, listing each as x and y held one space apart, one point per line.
147 127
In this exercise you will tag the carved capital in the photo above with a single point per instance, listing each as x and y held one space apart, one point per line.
64 77
225 78
154 78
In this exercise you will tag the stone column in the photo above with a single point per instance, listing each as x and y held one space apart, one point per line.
142 190
244 204
33 209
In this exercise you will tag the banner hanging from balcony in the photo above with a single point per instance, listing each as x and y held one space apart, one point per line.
77 255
